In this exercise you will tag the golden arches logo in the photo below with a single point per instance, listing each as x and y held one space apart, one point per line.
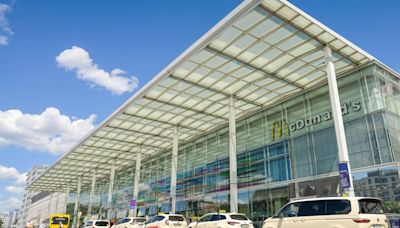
279 129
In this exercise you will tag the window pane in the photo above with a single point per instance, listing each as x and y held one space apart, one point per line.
358 143
101 223
290 210
338 207
176 218
312 208
239 217
300 156
325 148
371 206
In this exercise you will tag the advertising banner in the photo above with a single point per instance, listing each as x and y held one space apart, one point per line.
132 204
344 175
395 223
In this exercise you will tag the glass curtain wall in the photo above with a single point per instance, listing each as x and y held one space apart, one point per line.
286 151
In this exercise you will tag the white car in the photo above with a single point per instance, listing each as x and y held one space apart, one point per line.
223 220
97 224
131 222
330 212
167 220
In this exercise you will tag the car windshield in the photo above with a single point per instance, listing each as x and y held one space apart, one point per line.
156 219
123 220
371 206
101 223
89 223
176 218
238 217
57 220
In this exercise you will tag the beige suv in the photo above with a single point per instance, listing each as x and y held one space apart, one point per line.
332 212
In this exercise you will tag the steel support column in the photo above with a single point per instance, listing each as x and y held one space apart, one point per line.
232 157
66 197
337 114
92 187
174 167
77 199
137 179
110 190
49 204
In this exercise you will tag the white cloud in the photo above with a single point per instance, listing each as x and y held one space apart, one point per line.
3 40
11 173
15 189
78 59
9 204
49 131
21 180
5 30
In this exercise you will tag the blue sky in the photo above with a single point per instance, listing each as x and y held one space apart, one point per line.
48 100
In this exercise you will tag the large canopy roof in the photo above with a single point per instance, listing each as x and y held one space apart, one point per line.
261 53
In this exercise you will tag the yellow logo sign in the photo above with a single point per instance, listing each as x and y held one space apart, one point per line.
279 129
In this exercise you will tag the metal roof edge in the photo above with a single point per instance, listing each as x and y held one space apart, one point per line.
357 48
326 28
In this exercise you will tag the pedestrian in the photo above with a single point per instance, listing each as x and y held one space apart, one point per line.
61 225
112 222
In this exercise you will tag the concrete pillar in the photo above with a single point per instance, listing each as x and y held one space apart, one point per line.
174 167
337 114
77 200
232 157
137 179
92 187
110 189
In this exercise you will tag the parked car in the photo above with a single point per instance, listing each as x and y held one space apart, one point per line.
167 220
223 220
97 224
332 212
131 222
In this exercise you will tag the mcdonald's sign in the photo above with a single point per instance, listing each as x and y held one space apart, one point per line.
279 129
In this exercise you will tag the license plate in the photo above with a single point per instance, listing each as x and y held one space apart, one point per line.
377 226
244 226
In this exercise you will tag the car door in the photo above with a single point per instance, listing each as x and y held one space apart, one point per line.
214 220
285 218
204 221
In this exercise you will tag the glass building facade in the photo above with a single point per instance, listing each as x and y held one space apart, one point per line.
284 152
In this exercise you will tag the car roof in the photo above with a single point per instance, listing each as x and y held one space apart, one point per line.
105 220
169 215
225 213
332 198
134 217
